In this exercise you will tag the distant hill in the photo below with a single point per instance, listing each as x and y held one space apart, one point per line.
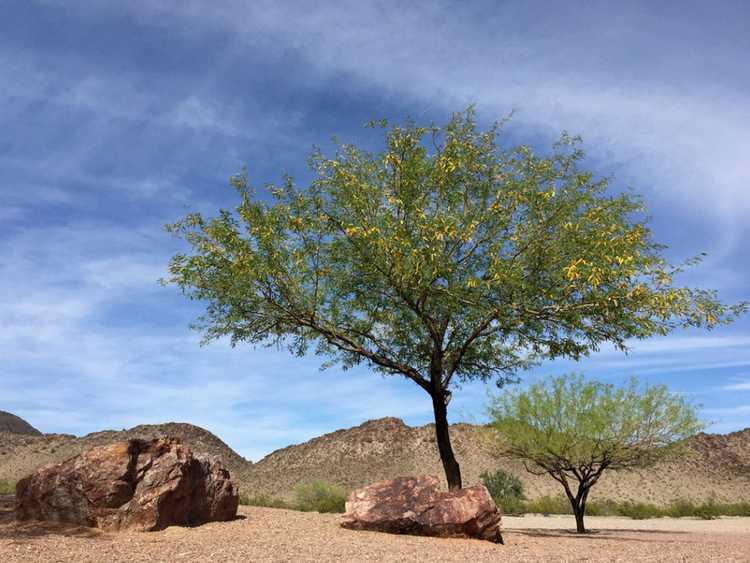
16 425
22 454
713 465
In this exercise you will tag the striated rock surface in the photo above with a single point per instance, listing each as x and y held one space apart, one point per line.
415 505
138 484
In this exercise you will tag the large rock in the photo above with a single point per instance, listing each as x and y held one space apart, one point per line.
415 505
138 484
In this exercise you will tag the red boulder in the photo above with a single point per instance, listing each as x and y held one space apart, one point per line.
415 505
139 484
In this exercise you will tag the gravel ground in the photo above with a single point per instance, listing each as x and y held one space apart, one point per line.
264 534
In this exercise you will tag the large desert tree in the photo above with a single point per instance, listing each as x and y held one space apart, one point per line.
574 430
441 259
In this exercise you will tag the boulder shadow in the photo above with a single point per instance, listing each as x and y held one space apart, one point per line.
14 530
25 531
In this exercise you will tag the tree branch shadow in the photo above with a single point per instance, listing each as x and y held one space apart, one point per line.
607 534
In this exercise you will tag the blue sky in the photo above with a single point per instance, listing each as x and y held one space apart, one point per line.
118 117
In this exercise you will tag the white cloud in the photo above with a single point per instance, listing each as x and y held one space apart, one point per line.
743 385
689 343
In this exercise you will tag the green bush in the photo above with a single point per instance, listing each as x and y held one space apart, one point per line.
708 510
639 510
548 505
510 506
736 509
319 496
681 509
605 507
263 501
502 484
506 490
7 487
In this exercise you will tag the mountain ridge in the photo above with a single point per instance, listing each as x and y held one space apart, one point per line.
10 422
713 465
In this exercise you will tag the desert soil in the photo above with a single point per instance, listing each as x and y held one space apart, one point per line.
265 534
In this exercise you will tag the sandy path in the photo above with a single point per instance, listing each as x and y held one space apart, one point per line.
263 534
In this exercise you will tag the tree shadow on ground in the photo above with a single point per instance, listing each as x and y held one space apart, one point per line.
609 534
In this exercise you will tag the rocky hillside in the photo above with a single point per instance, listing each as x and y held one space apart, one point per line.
717 465
21 454
712 465
16 425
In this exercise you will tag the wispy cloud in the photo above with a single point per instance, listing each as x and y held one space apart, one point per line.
509 58
685 344
743 385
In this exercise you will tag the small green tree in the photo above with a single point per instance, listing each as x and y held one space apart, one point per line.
440 259
573 430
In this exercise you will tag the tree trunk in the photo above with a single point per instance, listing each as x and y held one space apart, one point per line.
579 506
577 503
450 465
579 512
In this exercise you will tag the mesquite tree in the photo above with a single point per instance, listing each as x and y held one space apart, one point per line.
573 430
442 258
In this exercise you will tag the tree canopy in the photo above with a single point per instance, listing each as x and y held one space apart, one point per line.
444 257
573 430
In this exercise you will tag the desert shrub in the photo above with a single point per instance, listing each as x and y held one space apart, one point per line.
605 507
7 487
639 510
511 506
681 509
319 496
735 509
263 501
707 510
548 505
506 489
502 484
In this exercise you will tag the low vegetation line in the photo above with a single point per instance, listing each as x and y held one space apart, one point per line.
507 491
316 496
319 496
707 510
